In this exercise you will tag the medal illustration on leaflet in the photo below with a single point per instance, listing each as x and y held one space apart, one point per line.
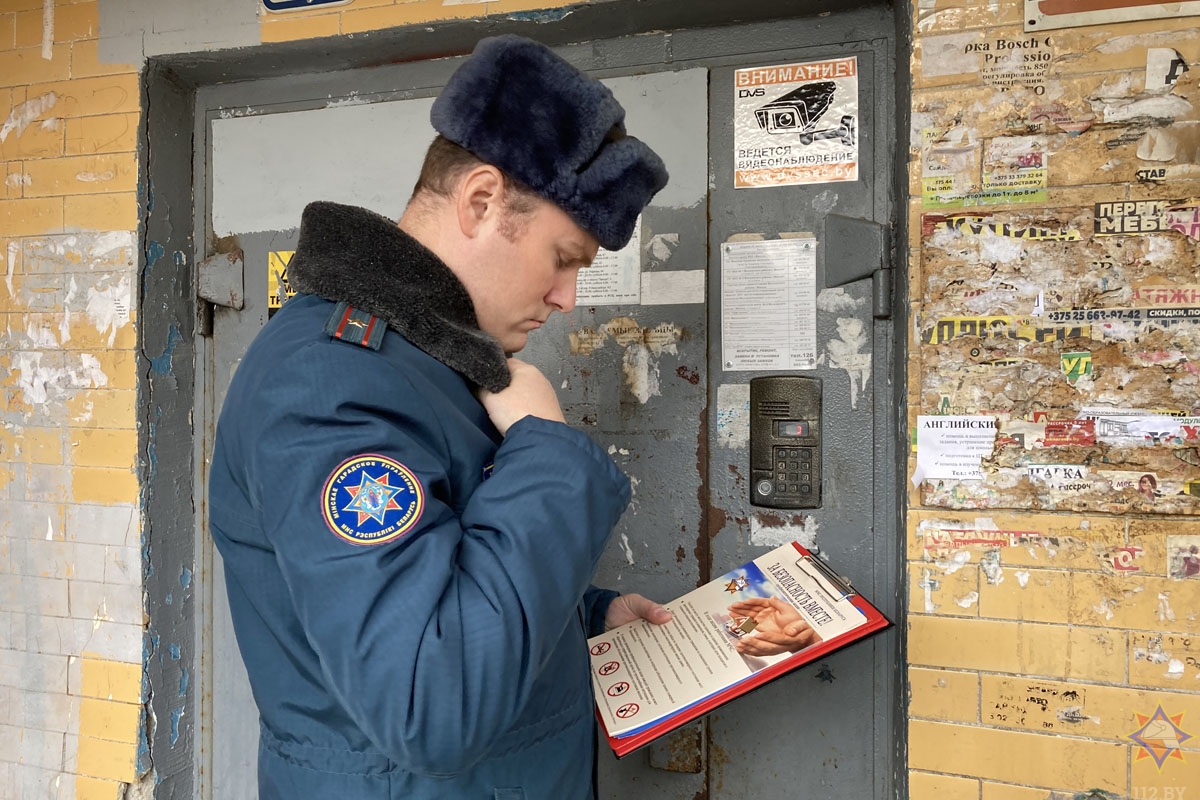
371 499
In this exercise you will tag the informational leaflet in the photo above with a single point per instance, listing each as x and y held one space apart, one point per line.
769 304
952 446
650 679
614 277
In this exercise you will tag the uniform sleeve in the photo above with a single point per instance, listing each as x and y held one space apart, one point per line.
595 607
432 640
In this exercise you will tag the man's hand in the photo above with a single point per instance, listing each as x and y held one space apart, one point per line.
628 607
779 627
529 394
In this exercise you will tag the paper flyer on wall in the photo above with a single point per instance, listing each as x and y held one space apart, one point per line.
726 638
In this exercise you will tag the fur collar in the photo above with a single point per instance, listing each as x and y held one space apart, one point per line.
352 254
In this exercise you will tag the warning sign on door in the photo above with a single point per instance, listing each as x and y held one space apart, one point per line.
279 289
796 123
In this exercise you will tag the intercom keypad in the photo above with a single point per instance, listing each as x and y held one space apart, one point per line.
793 471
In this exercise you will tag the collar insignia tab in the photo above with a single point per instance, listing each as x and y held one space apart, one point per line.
356 327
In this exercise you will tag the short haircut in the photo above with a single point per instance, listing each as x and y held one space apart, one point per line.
446 162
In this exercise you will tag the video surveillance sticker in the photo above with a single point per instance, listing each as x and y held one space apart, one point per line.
796 123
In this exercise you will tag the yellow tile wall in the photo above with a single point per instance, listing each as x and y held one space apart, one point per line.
1032 692
1059 621
68 166
68 186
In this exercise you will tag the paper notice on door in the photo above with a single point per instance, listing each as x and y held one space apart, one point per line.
769 304
953 447
614 277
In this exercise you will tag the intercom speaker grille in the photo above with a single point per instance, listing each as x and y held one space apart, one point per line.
774 408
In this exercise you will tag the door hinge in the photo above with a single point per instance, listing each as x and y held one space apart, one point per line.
219 282
856 249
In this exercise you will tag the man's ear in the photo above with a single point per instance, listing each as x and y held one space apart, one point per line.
479 199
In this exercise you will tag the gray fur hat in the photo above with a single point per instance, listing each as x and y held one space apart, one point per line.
518 106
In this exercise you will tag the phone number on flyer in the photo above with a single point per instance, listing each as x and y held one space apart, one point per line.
1122 314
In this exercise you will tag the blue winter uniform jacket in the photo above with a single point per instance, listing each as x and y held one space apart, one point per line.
409 590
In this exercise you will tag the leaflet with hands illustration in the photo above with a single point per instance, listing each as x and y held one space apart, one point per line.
752 625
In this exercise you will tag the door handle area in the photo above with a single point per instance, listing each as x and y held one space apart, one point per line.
856 249
220 281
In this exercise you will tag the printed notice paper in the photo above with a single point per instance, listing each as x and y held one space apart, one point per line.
651 679
614 277
769 304
952 447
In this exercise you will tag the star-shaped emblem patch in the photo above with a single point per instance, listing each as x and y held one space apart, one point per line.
372 498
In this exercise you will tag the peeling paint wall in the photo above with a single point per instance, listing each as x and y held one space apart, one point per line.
1052 606
71 604
78 710
1053 570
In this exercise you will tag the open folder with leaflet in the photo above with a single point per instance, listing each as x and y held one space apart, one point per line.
651 679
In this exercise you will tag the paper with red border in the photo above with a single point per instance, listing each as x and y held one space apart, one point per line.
649 682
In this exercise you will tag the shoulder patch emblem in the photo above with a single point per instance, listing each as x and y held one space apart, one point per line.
356 327
372 499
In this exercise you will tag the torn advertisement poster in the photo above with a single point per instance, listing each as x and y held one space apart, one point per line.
978 223
1028 329
942 539
1141 428
1043 118
769 304
1164 66
1176 149
1183 556
949 166
1068 433
1184 218
1130 217
1146 484
1166 295
1061 479
953 447
1012 62
1015 170
1075 365
614 276
1100 315
1043 432
796 123
1149 217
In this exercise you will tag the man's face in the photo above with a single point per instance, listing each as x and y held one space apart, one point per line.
532 260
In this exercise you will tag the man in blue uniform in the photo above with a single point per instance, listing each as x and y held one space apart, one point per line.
408 527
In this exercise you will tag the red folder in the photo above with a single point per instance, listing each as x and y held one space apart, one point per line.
874 623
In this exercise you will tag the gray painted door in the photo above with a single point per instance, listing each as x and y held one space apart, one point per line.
643 375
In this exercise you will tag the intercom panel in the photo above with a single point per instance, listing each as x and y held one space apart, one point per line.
785 441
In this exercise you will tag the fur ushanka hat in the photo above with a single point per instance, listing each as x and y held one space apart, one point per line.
518 106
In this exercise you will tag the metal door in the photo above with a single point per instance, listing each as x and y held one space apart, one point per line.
638 364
